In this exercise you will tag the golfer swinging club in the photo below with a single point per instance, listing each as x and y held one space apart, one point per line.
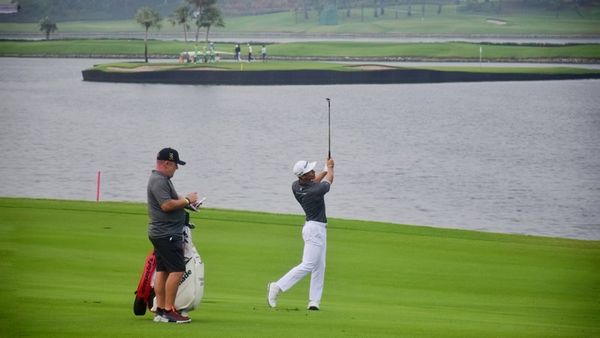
309 190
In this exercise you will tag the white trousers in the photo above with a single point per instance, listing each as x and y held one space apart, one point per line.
313 261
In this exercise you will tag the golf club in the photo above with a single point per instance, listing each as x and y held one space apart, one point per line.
329 125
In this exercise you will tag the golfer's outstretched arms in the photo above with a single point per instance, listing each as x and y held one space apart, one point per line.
329 174
323 174
320 176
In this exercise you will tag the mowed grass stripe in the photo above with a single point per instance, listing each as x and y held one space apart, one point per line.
69 269
517 21
305 49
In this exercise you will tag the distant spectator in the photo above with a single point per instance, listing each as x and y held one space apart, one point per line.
249 53
211 50
263 53
238 52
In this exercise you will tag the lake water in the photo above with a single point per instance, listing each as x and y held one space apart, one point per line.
278 37
512 157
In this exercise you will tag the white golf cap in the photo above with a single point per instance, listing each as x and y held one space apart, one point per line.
302 167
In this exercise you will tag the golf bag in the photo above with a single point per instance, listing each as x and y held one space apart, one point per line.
191 286
145 292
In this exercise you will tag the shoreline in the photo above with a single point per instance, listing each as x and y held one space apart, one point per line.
565 61
315 77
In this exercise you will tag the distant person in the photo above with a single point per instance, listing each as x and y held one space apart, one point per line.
238 52
249 53
165 231
263 53
309 190
211 49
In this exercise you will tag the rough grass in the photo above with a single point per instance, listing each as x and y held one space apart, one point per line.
456 50
68 269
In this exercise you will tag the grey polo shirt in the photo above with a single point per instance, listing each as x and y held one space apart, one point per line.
163 224
311 197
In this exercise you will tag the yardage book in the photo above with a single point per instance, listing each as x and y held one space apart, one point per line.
196 206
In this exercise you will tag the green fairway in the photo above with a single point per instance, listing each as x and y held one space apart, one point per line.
434 50
394 21
69 269
455 50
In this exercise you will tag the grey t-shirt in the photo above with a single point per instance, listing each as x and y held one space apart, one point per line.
163 224
311 197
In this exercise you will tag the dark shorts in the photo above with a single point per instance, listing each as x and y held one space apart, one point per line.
169 253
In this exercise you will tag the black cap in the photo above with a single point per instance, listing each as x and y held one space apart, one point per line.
169 154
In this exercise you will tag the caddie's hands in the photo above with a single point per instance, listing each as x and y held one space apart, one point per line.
192 197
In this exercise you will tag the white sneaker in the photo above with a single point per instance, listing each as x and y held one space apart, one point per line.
160 319
314 306
272 291
159 316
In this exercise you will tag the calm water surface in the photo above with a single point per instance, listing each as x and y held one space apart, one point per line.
514 157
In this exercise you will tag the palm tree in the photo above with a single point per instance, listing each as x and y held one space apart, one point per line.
206 14
148 18
211 16
181 16
46 25
306 7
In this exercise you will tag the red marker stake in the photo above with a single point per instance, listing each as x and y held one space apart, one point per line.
98 187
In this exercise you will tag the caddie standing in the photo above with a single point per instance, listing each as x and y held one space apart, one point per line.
165 230
309 190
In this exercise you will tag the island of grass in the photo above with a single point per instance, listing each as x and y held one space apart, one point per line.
317 73
313 63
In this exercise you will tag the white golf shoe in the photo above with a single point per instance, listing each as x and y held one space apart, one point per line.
272 291
159 316
312 305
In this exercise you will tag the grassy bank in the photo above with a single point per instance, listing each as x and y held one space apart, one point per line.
298 65
448 22
69 270
253 66
435 50
455 50
394 21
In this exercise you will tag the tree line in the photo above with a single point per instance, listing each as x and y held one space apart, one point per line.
87 10
76 10
202 13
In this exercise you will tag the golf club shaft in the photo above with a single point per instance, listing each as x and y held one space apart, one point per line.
329 127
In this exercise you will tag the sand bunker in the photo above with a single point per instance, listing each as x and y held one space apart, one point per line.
203 69
155 68
140 69
496 21
372 67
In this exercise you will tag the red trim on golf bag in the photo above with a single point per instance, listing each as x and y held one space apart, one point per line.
144 294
